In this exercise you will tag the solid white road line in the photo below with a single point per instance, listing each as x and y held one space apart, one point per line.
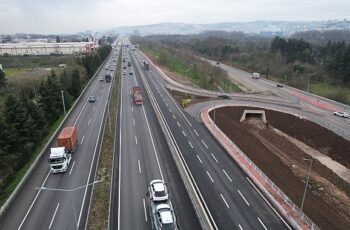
183 132
243 197
199 159
144 209
268 203
58 205
228 177
31 206
196 132
204 144
178 124
89 121
139 166
222 197
240 227
262 223
71 169
212 155
190 144
133 121
210 177
136 139
82 140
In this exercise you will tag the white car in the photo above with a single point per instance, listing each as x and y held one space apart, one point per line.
341 114
164 218
101 79
124 72
158 191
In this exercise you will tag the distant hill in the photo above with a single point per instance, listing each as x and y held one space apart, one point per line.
265 28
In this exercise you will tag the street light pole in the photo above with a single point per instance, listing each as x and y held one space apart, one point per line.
64 106
307 182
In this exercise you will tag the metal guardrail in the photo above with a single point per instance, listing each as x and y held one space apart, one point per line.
282 195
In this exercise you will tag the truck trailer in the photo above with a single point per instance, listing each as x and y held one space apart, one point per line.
108 77
256 75
138 99
61 156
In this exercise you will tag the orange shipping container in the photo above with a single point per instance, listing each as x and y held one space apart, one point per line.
68 138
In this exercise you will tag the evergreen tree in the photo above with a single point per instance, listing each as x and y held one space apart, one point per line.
75 88
65 80
2 78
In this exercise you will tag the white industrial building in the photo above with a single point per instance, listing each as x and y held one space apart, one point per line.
40 48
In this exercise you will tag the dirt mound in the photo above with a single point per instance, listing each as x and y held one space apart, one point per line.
327 200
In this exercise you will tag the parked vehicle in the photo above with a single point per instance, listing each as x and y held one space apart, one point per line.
60 157
138 99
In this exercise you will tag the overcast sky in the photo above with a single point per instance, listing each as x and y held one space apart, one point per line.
70 16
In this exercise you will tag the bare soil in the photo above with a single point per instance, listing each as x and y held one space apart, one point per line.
327 200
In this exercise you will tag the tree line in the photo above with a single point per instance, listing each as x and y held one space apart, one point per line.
28 115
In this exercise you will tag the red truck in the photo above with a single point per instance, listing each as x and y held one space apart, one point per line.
68 139
138 99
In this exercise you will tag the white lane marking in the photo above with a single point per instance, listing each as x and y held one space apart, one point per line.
228 177
132 109
89 121
222 197
136 139
196 132
210 177
190 144
183 132
199 159
169 110
166 104
262 223
82 140
133 121
31 206
139 167
54 214
268 203
144 209
212 155
93 109
174 116
178 124
71 169
204 144
243 197
240 227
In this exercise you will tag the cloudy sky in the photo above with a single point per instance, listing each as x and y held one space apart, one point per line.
70 16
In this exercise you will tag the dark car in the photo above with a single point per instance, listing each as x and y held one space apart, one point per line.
279 85
223 96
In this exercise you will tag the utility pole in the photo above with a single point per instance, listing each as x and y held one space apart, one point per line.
308 84
64 106
307 182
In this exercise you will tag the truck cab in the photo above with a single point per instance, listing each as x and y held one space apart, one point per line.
59 160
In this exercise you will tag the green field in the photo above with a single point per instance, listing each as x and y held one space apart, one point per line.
337 93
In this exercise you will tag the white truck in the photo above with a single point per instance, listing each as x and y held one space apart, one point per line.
256 75
59 160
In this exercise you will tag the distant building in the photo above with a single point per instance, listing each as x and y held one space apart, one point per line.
269 34
40 48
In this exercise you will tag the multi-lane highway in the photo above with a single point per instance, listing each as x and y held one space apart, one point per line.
64 201
232 199
142 156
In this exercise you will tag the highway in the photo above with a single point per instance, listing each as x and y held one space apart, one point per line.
35 208
142 156
232 199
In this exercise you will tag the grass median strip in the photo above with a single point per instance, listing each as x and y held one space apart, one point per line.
98 216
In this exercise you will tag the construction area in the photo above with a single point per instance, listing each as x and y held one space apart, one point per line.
283 147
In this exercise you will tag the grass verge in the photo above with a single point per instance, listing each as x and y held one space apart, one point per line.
19 175
99 209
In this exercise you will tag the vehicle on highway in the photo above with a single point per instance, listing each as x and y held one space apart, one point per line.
158 190
146 64
124 72
224 95
341 114
106 67
163 216
61 156
256 75
124 67
108 77
129 63
218 63
101 79
279 85
92 99
138 99
131 73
